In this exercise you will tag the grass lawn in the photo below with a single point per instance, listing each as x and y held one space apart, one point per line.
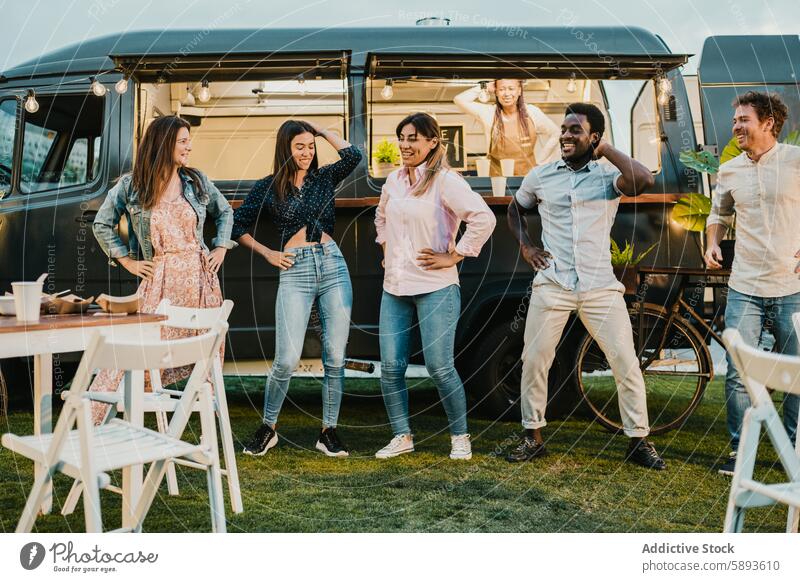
582 486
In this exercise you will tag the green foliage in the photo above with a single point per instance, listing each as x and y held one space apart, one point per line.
793 138
701 161
624 257
730 151
691 212
387 152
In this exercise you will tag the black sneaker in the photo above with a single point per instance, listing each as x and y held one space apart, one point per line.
729 466
264 439
525 451
642 452
329 443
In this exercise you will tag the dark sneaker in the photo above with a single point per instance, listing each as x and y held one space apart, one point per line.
729 466
329 443
642 452
264 439
525 451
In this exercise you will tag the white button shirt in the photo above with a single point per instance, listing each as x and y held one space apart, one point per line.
577 208
765 196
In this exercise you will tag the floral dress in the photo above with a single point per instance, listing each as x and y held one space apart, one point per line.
180 275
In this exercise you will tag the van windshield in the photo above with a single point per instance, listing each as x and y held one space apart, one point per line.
8 115
61 143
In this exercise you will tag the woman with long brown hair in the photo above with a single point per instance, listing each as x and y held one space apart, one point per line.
166 203
300 198
421 208
514 129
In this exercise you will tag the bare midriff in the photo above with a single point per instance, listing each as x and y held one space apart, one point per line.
299 240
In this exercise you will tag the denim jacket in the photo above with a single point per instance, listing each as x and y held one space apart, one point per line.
123 200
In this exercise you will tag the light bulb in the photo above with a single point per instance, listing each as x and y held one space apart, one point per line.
188 100
98 88
572 86
205 93
664 85
121 86
31 104
663 98
483 96
301 83
388 90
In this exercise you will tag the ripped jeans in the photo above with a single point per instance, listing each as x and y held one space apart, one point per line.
438 314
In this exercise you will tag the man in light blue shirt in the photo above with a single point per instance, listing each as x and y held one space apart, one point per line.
577 198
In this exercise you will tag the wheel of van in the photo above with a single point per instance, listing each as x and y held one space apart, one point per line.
493 371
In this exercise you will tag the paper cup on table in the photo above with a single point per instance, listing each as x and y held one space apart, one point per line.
482 165
27 300
498 186
507 167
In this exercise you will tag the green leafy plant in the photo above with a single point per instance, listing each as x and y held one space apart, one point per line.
691 212
387 152
625 257
701 161
730 151
793 138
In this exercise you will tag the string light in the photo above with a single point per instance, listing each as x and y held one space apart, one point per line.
188 101
572 86
483 96
205 93
664 85
388 90
121 86
31 104
301 83
97 87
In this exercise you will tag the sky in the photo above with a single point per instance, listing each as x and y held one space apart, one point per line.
33 28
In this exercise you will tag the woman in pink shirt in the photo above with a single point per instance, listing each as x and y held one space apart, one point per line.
420 210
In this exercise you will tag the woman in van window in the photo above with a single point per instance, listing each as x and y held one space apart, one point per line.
514 130
421 208
166 203
300 198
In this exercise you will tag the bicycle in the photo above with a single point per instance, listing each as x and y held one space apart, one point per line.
675 358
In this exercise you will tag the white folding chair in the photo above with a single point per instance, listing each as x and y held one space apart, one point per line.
162 401
760 370
88 453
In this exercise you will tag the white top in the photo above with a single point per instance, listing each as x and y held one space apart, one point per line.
765 196
409 223
547 132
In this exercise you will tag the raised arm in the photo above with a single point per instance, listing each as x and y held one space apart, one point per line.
547 134
635 178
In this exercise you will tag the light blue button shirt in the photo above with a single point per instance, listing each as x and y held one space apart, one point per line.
577 208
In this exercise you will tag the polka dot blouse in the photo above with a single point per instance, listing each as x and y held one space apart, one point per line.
312 206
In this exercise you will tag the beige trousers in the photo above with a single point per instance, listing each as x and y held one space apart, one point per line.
605 316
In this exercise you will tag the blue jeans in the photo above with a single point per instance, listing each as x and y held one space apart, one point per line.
437 313
749 314
319 273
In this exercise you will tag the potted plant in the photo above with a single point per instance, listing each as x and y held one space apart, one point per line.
385 158
625 264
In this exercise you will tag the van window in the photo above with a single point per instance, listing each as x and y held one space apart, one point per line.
465 134
61 143
8 117
235 124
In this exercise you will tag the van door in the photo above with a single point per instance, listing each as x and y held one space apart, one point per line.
56 184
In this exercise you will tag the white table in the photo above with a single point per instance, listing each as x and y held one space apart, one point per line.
72 333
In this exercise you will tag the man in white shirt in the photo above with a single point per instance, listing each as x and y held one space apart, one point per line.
578 199
762 186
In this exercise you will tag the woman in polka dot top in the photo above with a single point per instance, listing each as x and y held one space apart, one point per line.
300 199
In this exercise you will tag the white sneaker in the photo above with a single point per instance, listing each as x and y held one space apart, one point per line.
399 445
461 448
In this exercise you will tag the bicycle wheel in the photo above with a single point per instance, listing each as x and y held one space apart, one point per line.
676 366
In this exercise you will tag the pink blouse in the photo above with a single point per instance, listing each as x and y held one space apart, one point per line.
408 224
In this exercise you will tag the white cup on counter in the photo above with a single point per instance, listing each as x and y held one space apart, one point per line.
498 186
483 165
507 167
27 300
